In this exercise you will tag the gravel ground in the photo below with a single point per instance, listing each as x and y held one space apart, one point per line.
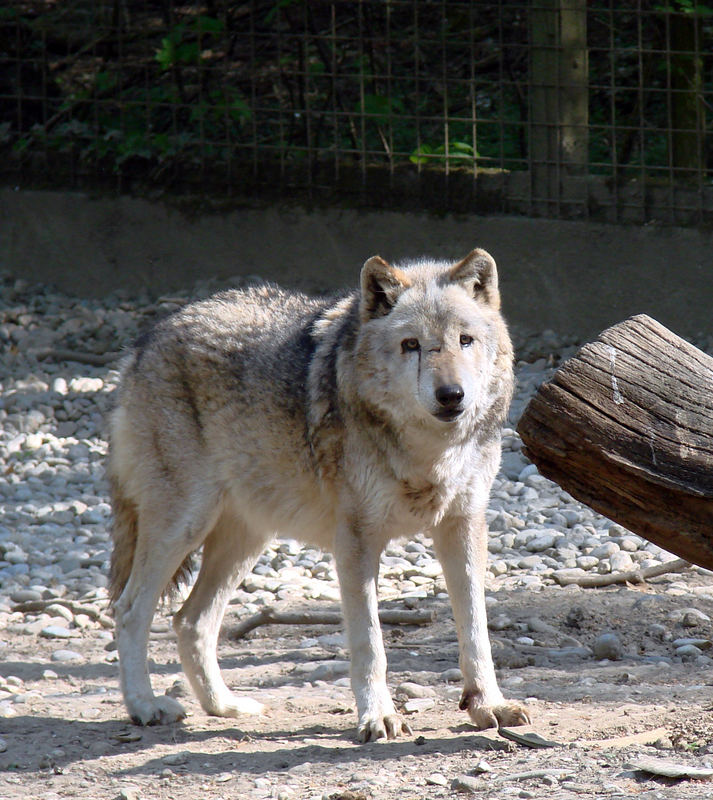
54 555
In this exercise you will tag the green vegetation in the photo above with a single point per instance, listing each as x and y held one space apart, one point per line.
160 89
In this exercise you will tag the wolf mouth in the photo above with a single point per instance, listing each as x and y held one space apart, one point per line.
448 414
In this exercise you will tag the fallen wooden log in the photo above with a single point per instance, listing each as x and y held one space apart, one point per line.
626 426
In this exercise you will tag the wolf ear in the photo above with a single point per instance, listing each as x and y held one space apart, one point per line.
381 285
478 273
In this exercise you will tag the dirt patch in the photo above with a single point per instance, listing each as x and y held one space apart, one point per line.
70 735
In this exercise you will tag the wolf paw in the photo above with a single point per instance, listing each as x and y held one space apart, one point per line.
388 726
161 710
500 715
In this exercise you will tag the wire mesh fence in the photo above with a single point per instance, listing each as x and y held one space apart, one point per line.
561 108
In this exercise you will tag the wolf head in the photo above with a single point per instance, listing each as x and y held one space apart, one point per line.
432 342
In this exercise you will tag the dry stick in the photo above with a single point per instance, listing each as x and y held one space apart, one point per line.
76 608
93 359
630 576
273 615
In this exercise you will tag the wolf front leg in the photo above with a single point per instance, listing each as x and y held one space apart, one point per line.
357 560
462 548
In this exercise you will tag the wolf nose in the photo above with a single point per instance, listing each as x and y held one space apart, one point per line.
449 395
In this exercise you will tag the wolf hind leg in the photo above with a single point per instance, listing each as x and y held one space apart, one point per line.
229 553
163 543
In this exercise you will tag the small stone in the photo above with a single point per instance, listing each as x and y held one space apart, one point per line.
664 743
84 384
629 545
303 768
607 645
57 610
453 675
176 759
57 632
128 736
498 568
436 779
415 690
658 631
499 622
66 656
59 385
178 689
467 785
701 644
329 671
332 640
621 562
530 562
693 615
540 543
419 704
3 746
691 620
432 569
605 550
525 473
25 596
688 652
587 562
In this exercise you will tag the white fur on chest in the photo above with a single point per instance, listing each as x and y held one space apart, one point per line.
405 495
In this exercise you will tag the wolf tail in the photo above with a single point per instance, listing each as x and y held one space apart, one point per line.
124 534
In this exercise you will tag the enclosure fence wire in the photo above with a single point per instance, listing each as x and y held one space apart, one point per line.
556 108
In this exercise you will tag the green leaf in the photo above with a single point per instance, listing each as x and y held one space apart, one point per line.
375 104
461 148
457 151
166 56
209 25
280 4
103 81
239 110
187 53
421 154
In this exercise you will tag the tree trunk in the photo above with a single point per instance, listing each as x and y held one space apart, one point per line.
626 426
686 96
559 104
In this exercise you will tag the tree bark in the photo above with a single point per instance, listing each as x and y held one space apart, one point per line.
626 426
687 109
559 103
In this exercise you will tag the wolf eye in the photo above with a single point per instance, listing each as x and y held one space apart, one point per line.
465 340
410 346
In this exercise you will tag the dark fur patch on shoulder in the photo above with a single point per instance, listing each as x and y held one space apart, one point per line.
142 343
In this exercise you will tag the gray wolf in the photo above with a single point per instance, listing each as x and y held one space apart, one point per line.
342 422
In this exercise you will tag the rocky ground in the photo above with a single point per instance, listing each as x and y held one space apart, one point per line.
618 679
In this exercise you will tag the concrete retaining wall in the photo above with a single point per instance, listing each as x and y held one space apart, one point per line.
573 277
